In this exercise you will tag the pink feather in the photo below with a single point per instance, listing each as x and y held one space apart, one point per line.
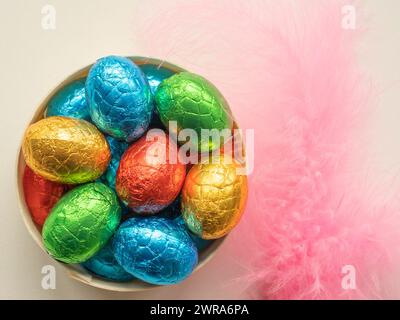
289 71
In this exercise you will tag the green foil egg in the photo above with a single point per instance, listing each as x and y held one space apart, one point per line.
81 223
194 103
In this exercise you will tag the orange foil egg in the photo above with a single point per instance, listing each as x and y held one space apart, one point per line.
214 197
66 150
148 179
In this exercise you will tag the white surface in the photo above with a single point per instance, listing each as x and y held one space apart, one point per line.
33 61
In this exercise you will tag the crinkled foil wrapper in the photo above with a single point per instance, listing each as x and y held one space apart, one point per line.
66 150
155 249
146 180
213 198
81 223
194 103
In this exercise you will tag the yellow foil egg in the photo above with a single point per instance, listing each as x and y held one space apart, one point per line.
214 197
66 150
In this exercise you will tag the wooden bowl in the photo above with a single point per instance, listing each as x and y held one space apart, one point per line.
75 271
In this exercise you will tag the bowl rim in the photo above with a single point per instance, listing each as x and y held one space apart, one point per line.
76 271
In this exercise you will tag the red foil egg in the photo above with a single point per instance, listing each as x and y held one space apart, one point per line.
148 178
40 195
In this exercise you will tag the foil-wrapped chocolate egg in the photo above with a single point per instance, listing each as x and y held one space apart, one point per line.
213 197
194 103
155 74
81 223
70 101
40 195
66 150
120 100
155 249
147 180
104 265
117 149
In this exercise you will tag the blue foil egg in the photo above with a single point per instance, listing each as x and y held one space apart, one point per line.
155 249
70 101
103 264
117 149
120 100
155 74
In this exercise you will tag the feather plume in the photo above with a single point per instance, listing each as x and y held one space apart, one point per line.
289 71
